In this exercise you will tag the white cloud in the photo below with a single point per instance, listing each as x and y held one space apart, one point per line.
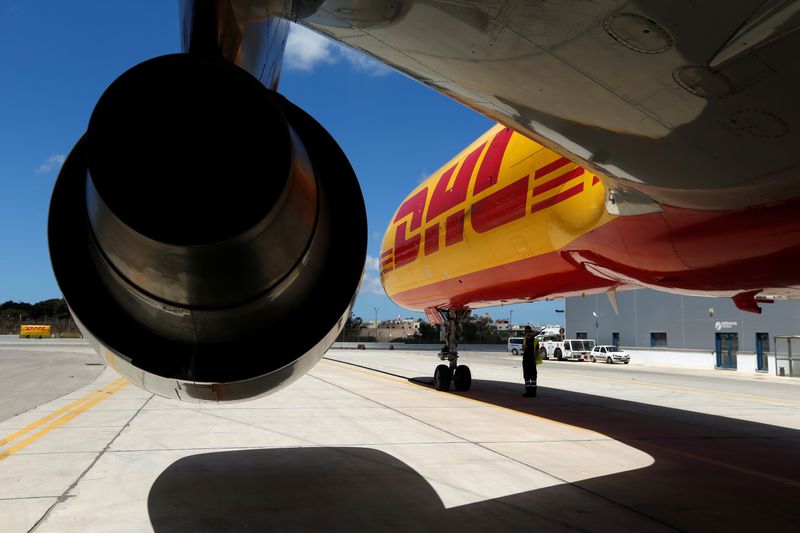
306 49
371 284
373 263
53 162
362 62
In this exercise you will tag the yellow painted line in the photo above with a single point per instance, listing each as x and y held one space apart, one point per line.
377 373
77 408
645 384
54 414
695 457
374 373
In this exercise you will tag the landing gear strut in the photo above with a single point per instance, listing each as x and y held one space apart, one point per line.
460 375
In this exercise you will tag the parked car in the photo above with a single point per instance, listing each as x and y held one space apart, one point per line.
609 354
515 345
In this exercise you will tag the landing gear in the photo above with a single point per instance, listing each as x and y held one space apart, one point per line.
441 377
462 378
460 375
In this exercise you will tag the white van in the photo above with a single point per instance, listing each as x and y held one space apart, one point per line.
569 349
515 345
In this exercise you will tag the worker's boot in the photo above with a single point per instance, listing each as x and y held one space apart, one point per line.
530 388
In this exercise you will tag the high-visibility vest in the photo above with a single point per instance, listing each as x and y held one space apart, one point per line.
535 344
536 355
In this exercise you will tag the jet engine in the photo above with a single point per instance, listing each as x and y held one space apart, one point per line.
207 234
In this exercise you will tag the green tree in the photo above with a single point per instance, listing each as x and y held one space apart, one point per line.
428 333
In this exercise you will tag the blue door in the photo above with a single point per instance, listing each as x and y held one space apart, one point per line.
727 348
762 350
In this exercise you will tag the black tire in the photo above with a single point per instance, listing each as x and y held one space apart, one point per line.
462 378
514 351
592 359
543 354
558 354
626 362
609 360
441 377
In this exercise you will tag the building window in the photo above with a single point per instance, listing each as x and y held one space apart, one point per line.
581 335
615 338
658 340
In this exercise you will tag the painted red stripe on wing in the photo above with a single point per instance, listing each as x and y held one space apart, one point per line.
550 167
560 180
387 252
595 180
558 198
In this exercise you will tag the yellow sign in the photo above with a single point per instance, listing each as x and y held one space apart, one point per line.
29 331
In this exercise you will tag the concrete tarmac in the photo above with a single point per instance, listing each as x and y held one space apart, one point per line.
362 443
33 371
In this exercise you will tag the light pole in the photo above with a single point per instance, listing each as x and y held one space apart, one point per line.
510 314
376 317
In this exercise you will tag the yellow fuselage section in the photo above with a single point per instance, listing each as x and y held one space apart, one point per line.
503 200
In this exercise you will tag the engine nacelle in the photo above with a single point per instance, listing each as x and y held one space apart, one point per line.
208 235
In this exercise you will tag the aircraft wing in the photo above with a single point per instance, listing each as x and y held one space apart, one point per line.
689 103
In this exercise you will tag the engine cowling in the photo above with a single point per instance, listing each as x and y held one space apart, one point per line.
208 235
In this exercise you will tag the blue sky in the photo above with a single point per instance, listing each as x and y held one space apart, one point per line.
56 58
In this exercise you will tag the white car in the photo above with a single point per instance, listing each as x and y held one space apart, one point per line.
515 345
609 354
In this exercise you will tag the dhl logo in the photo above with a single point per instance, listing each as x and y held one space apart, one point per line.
420 221
35 328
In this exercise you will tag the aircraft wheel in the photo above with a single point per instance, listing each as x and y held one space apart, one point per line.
441 377
593 359
514 352
462 378
626 362
558 354
609 360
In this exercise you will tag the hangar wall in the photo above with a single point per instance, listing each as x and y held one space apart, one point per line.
689 322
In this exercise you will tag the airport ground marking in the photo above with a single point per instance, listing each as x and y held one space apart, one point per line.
737 395
720 464
695 457
57 413
77 408
407 381
415 383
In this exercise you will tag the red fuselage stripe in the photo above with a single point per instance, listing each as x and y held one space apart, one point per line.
558 198
676 249
550 167
555 182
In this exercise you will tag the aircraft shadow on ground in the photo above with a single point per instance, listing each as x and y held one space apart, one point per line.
710 473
